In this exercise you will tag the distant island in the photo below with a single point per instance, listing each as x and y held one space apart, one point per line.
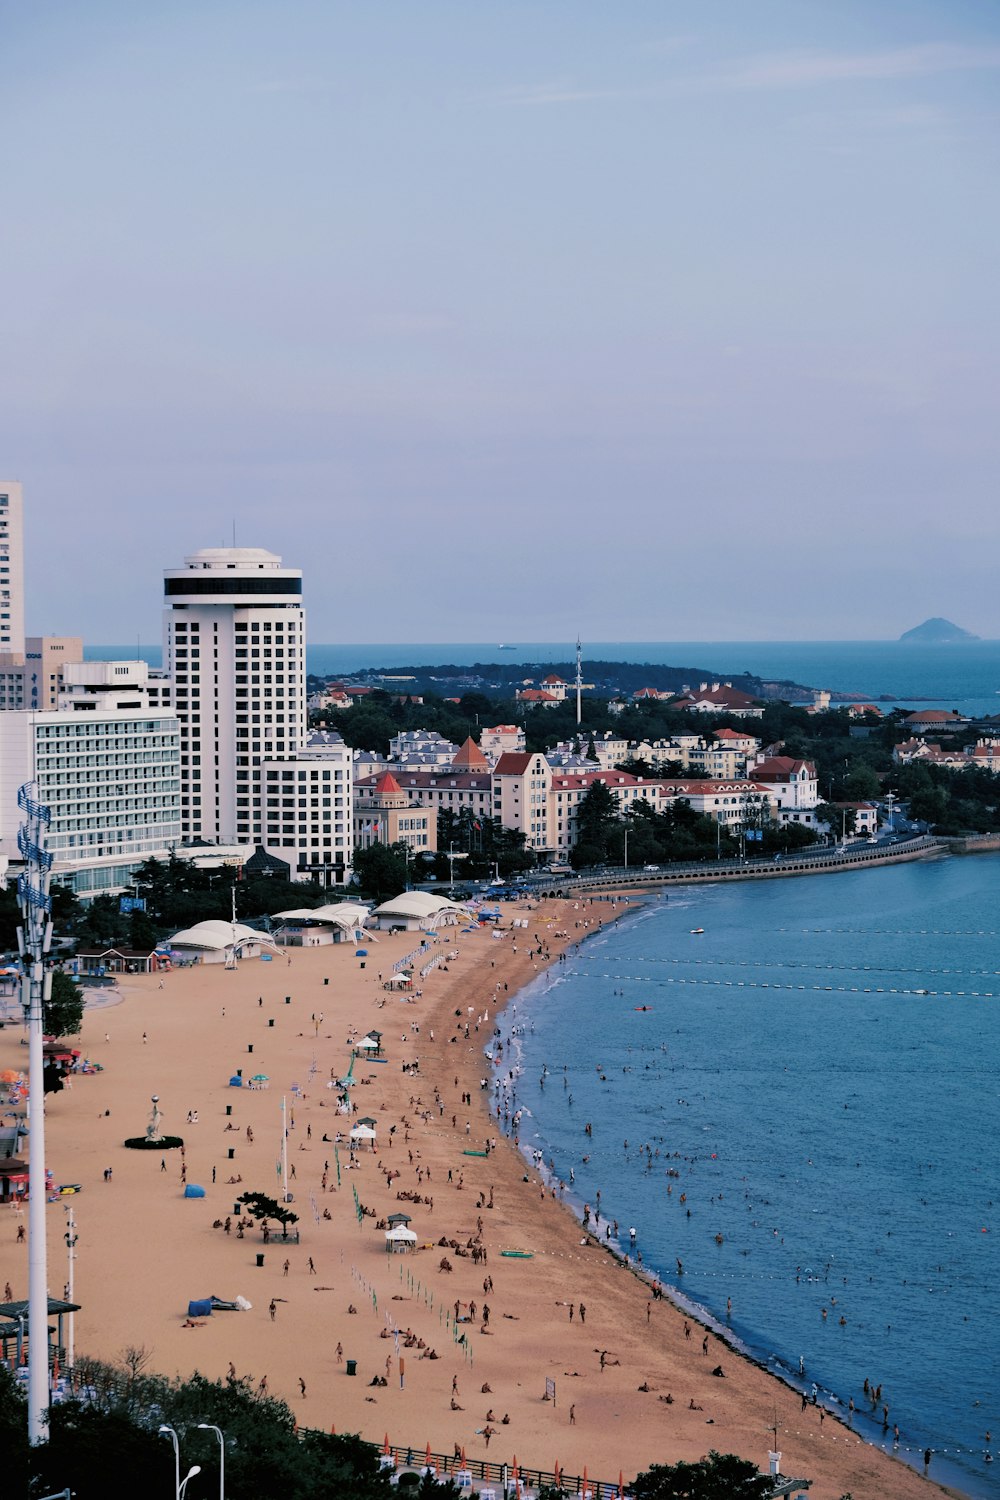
937 632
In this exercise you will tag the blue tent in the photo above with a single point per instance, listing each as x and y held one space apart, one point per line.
194 1191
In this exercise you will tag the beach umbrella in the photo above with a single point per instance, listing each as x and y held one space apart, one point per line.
621 1487
427 1456
333 1431
385 1445
463 1458
585 1482
558 1474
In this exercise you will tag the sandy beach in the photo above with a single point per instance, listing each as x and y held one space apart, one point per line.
144 1250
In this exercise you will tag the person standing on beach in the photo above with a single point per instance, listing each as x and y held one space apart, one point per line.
572 1415
273 1308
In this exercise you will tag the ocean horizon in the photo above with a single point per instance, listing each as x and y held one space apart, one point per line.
964 675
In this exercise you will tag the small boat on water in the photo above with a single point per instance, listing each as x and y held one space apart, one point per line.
696 930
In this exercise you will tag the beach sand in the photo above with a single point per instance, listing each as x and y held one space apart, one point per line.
144 1250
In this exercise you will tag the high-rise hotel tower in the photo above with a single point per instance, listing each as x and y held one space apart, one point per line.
11 567
234 649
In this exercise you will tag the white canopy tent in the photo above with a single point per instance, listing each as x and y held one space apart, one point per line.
416 909
400 1238
362 1133
216 942
312 926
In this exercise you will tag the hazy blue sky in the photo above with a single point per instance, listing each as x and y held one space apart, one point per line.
653 320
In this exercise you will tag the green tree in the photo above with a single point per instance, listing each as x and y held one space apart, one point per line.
596 818
720 1476
64 1011
263 1209
380 870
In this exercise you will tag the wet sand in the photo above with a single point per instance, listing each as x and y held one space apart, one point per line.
144 1250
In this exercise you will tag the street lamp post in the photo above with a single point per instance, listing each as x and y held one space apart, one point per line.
171 1434
626 846
208 1427
890 798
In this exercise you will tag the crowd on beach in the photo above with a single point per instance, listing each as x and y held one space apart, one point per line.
482 1294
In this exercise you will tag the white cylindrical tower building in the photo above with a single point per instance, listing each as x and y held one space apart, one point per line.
234 649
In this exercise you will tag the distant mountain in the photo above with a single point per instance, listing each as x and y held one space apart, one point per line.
937 632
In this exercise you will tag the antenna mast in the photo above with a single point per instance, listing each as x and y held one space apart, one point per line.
579 681
34 937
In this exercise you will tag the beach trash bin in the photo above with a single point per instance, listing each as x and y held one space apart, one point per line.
232 1152
326 980
229 1109
270 1021
260 1258
362 964
352 1367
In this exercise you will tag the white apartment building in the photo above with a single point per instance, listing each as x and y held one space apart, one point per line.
107 766
234 650
500 738
308 809
11 566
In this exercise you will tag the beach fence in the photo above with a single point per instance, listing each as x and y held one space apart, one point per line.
485 1474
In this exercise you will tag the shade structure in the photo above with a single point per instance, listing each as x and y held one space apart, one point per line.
362 1133
385 1445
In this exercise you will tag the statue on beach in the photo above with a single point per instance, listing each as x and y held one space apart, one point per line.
153 1132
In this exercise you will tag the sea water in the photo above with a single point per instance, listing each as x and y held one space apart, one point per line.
964 675
806 1118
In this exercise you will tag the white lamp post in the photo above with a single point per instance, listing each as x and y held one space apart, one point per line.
171 1434
207 1427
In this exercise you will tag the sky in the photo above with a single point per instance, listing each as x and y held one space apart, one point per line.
654 321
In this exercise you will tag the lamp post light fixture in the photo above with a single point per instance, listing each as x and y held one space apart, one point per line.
208 1427
194 1469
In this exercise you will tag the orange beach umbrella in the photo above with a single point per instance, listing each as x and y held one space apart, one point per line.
427 1455
385 1445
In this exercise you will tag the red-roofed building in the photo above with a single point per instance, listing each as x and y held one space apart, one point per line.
496 741
792 785
536 698
930 719
386 814
470 758
719 698
724 800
